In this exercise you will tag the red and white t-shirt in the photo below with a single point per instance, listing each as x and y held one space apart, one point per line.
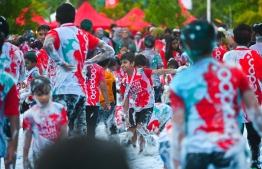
8 105
45 124
46 65
12 60
95 74
71 44
140 89
218 53
251 63
212 104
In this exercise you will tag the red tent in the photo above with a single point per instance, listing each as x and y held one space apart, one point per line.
133 20
86 11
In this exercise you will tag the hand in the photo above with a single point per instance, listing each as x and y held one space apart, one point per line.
23 85
68 67
181 68
107 107
10 154
26 163
221 29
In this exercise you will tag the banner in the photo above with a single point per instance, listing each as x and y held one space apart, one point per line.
111 3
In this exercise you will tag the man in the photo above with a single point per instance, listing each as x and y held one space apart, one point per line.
68 47
206 101
251 63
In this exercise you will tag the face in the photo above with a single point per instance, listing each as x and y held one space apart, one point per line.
175 44
124 34
29 65
15 40
127 66
41 35
42 99
123 50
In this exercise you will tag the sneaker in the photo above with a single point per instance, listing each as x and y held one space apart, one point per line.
151 141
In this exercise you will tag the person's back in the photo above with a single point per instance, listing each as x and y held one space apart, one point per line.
257 29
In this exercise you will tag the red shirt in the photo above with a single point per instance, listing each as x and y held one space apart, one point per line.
218 53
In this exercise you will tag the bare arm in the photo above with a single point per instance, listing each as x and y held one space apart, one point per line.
63 132
27 143
231 42
104 91
253 110
168 71
12 147
107 51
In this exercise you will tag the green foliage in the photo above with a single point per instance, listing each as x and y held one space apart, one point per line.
166 13
12 9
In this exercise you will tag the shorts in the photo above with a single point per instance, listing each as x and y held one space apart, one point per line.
217 159
131 118
143 117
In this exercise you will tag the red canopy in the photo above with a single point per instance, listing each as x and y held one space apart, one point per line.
86 11
133 20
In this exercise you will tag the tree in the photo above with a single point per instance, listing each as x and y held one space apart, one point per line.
166 13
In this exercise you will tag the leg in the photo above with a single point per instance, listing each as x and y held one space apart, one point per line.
91 119
80 126
254 142
157 90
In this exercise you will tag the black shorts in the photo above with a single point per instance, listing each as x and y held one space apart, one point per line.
131 118
143 117
203 160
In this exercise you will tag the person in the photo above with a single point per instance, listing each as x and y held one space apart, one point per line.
99 32
105 116
46 121
138 42
41 34
8 107
126 41
68 47
81 152
12 59
86 25
31 72
123 49
138 84
205 124
257 29
218 52
173 51
251 63
95 81
153 62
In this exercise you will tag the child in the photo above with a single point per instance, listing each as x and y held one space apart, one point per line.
206 106
31 72
138 83
123 49
46 121
107 117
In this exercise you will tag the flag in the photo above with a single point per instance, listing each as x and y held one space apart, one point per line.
187 4
111 3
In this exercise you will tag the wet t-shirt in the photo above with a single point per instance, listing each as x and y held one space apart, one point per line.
45 124
218 53
94 76
210 92
140 89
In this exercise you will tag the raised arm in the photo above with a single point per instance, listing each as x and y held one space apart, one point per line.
106 52
168 71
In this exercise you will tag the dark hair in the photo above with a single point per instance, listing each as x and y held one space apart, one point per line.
31 56
104 62
40 85
220 35
113 61
43 27
169 49
37 45
140 60
257 28
168 30
242 34
4 26
149 41
82 153
65 13
173 62
128 56
2 40
113 25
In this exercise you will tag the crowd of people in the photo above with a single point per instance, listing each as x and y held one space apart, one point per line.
194 88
